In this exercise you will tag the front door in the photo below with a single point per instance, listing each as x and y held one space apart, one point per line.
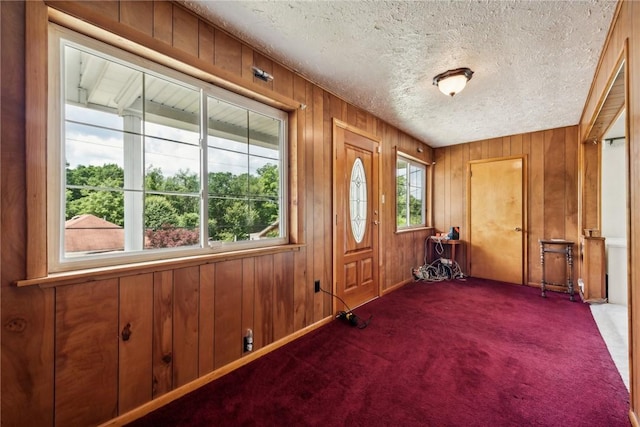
356 215
497 220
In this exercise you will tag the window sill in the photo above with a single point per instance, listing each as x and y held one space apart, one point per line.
413 229
101 273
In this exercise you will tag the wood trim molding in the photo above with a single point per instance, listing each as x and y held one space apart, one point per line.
101 273
36 138
612 101
607 42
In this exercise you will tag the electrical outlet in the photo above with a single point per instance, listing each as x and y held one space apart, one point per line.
316 286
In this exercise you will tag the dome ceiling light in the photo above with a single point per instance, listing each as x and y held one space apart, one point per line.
453 81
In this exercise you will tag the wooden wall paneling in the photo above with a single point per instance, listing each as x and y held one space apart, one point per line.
282 295
531 249
315 302
506 146
135 371
554 200
162 21
458 182
339 110
206 316
228 322
447 189
108 9
389 259
248 295
438 189
591 185
475 150
137 14
162 332
515 147
264 64
186 296
247 63
464 233
303 293
282 80
322 190
571 184
264 291
185 31
228 52
494 147
86 361
28 321
206 42
358 117
27 315
536 204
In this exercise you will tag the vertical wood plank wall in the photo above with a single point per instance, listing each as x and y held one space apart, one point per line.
58 343
552 182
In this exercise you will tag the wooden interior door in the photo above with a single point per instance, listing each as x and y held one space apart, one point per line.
497 219
356 215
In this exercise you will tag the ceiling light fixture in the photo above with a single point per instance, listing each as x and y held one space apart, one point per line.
453 81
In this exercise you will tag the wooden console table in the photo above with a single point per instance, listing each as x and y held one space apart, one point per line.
559 246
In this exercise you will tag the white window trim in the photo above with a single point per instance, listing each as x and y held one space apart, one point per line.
56 166
425 206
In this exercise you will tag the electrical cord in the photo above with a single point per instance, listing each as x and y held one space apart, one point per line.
438 271
349 315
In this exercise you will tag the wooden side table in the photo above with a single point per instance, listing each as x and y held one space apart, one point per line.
559 246
433 241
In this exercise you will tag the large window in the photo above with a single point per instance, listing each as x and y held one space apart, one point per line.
150 163
411 192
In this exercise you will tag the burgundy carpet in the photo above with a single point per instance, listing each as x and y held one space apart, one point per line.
474 353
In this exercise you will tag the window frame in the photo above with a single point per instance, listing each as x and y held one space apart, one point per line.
426 193
57 262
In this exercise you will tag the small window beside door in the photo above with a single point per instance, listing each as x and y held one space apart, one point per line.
411 193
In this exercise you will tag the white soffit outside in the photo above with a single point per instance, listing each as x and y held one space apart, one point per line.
533 60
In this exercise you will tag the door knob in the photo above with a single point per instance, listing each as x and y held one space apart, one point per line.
375 222
518 229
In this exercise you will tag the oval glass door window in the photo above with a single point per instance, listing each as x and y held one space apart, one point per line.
358 200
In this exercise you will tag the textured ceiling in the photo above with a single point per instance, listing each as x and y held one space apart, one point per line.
533 60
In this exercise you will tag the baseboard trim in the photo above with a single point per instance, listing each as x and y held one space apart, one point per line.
169 397
395 287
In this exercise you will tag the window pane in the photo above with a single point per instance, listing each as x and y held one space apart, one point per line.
228 126
171 111
94 156
131 151
410 193
244 173
167 161
401 192
171 221
95 84
94 222
264 136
